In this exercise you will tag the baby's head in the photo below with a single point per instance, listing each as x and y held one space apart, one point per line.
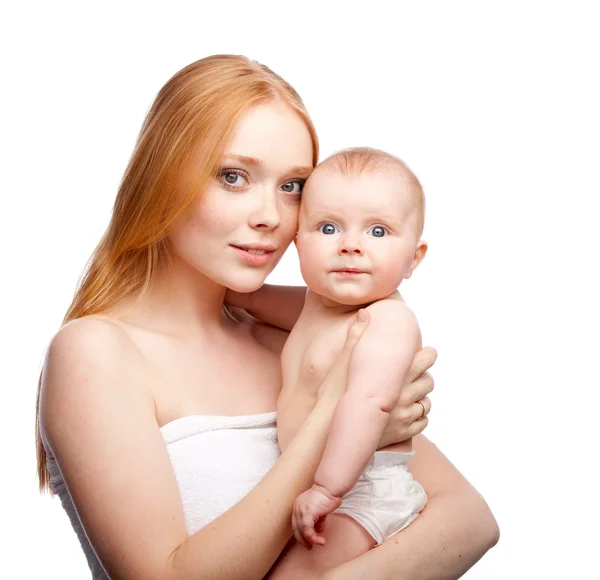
361 220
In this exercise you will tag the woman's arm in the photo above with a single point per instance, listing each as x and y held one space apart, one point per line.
453 532
279 306
98 418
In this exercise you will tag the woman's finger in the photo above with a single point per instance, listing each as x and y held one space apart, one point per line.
426 384
422 362
337 378
421 408
417 427
417 390
357 327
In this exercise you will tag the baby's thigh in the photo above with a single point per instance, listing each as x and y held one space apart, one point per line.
345 539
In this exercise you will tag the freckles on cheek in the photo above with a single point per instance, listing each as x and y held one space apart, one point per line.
292 217
207 219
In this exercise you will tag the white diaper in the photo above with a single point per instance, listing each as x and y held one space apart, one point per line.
386 498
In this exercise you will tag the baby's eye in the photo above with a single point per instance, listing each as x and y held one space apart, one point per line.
328 229
378 232
294 187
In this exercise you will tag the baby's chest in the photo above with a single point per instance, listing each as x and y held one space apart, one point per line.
321 351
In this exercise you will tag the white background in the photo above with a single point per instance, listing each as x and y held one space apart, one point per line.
495 106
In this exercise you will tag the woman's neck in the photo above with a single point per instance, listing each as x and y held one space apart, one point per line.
180 301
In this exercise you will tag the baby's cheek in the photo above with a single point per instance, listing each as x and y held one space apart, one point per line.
389 276
312 263
390 281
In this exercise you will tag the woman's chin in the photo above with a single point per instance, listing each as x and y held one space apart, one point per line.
247 283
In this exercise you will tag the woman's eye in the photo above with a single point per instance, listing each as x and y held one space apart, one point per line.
378 232
233 178
293 187
328 229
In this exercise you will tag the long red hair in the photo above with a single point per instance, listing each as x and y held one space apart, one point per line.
190 120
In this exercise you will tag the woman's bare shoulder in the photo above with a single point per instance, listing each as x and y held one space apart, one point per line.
91 338
87 358
98 420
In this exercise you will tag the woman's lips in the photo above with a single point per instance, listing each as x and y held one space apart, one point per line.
254 254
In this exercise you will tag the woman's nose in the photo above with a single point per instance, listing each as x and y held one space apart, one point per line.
266 214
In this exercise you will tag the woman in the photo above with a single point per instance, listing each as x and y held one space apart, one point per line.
150 356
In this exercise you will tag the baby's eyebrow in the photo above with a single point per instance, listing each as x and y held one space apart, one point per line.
386 217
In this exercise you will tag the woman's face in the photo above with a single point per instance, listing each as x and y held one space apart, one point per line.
238 231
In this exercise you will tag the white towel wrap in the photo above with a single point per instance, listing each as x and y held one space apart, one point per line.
217 460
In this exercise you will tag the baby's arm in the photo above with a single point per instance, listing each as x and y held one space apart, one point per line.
380 364
378 369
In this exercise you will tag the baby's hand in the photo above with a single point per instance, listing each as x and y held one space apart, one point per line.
309 513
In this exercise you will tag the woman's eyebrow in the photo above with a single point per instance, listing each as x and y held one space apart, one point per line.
244 159
301 170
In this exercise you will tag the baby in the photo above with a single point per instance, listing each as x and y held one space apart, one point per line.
360 224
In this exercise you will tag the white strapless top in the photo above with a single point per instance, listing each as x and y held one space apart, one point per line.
217 460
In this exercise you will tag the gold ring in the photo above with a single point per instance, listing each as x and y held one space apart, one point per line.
423 413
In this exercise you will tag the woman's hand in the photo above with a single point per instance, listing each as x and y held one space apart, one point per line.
334 385
409 417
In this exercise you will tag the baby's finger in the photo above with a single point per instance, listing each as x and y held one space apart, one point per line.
308 532
299 537
317 540
320 525
307 527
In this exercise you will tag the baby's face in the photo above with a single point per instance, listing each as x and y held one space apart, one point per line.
357 235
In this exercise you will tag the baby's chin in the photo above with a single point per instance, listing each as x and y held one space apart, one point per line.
350 298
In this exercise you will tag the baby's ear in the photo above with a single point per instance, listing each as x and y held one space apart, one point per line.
420 252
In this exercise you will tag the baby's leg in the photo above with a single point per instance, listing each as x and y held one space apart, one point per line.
345 539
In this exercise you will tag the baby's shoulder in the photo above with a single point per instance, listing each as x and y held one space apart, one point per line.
391 306
392 312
